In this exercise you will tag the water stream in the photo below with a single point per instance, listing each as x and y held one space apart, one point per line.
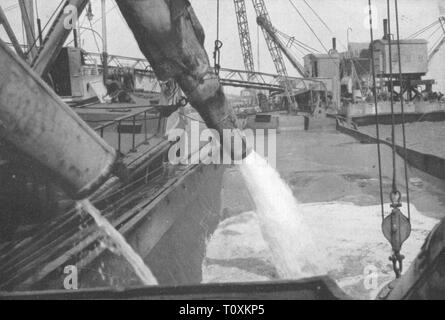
122 246
281 221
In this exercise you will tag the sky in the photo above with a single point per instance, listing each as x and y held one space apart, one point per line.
339 15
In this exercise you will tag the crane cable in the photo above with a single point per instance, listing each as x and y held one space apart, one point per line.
45 26
402 109
379 153
308 25
322 21
218 44
419 32
396 227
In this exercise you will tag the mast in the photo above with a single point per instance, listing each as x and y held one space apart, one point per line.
104 41
27 9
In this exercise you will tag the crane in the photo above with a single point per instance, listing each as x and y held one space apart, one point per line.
276 49
275 52
271 31
244 35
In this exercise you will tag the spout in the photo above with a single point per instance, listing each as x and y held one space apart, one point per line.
36 122
172 39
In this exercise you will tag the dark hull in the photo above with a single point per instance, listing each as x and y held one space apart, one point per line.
430 164
166 220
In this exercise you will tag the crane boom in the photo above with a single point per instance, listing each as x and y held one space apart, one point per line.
275 52
271 31
244 34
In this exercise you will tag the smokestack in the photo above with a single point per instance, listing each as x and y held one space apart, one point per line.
334 44
76 43
385 29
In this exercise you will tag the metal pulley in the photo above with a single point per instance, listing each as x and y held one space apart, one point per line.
396 228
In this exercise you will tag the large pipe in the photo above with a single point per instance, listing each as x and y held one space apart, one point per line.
38 124
172 39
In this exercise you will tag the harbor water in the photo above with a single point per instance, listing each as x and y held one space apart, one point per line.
333 182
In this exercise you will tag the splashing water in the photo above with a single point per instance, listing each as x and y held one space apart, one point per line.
139 267
281 222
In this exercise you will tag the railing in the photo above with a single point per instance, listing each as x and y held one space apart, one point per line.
143 115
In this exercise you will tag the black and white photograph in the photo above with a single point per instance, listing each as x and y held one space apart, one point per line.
231 151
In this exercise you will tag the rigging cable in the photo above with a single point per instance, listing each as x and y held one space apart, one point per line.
218 44
95 22
395 227
322 21
94 33
394 190
46 25
296 42
402 109
25 16
11 7
308 25
258 45
419 32
379 153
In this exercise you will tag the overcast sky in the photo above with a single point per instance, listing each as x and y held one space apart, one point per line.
339 15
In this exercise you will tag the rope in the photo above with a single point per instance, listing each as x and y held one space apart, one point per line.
393 120
95 22
322 21
94 36
402 109
295 42
434 32
376 112
11 7
419 32
218 44
258 45
127 186
26 16
308 25
46 25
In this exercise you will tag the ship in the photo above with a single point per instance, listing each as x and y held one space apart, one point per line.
91 126
166 212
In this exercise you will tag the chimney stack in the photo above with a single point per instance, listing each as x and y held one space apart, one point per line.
385 29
